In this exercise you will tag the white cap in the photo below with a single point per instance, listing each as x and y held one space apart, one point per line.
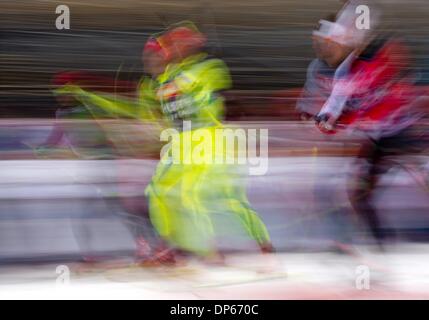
332 31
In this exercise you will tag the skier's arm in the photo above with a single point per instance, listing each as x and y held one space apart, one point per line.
110 104
342 88
55 135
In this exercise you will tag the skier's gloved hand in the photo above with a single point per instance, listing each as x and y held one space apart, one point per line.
325 123
321 117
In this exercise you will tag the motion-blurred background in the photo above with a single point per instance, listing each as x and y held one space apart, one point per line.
267 46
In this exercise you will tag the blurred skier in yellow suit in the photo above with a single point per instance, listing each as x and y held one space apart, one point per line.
183 97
